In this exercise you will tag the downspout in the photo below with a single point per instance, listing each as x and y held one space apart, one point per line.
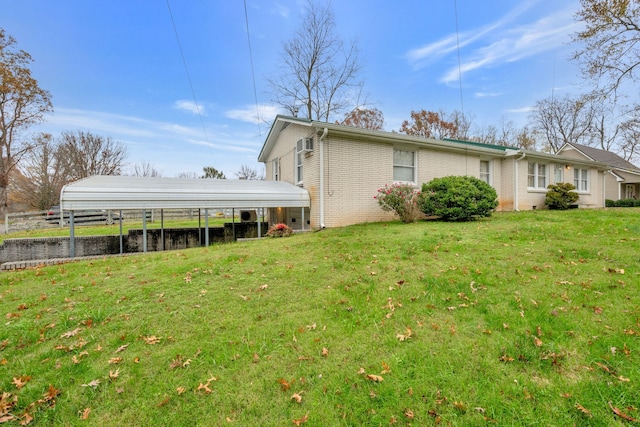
516 204
321 149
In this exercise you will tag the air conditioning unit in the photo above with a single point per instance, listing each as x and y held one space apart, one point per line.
305 145
248 216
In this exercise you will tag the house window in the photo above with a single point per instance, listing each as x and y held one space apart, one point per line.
275 169
581 179
558 173
537 176
404 165
485 171
299 160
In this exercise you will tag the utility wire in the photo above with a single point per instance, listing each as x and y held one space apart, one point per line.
186 69
455 3
253 75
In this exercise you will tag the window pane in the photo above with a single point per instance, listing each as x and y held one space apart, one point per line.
403 158
402 173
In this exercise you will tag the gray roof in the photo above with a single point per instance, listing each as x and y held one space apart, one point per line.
603 156
127 192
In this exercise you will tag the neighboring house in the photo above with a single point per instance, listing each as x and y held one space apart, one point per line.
622 181
342 168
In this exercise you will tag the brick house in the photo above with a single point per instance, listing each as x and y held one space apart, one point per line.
342 168
622 181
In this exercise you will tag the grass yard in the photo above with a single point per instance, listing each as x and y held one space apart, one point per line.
528 318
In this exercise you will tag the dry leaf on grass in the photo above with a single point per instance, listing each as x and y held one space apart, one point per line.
302 420
621 414
374 378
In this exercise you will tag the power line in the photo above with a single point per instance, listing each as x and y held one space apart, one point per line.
455 3
253 76
186 69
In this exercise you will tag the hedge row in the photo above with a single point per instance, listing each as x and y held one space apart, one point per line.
623 203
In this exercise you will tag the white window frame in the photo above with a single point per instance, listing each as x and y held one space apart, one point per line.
488 175
299 162
414 167
581 180
537 176
275 169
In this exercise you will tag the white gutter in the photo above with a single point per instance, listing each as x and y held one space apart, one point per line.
516 204
321 149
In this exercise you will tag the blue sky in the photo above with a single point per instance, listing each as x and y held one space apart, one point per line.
114 67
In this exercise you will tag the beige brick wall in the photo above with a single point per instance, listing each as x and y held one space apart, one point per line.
355 169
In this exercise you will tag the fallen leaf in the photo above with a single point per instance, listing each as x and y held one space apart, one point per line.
537 341
297 397
302 420
51 394
115 360
19 382
584 410
284 384
374 378
621 414
93 384
121 348
70 334
114 374
151 340
385 368
25 418
409 414
325 352
181 390
84 415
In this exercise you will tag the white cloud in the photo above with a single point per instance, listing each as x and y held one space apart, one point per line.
190 106
498 43
281 10
520 110
249 114
487 94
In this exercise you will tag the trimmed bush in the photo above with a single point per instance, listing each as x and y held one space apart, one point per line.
400 199
622 203
561 196
457 198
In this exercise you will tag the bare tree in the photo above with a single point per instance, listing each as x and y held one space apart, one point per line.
564 120
22 104
41 178
318 72
249 173
145 169
83 154
609 54
188 175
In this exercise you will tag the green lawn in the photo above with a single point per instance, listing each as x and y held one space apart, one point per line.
528 318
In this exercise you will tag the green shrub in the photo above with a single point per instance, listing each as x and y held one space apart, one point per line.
457 198
561 196
401 199
622 203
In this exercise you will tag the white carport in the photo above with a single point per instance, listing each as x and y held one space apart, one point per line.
144 193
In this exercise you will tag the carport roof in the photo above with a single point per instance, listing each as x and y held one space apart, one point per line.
127 192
